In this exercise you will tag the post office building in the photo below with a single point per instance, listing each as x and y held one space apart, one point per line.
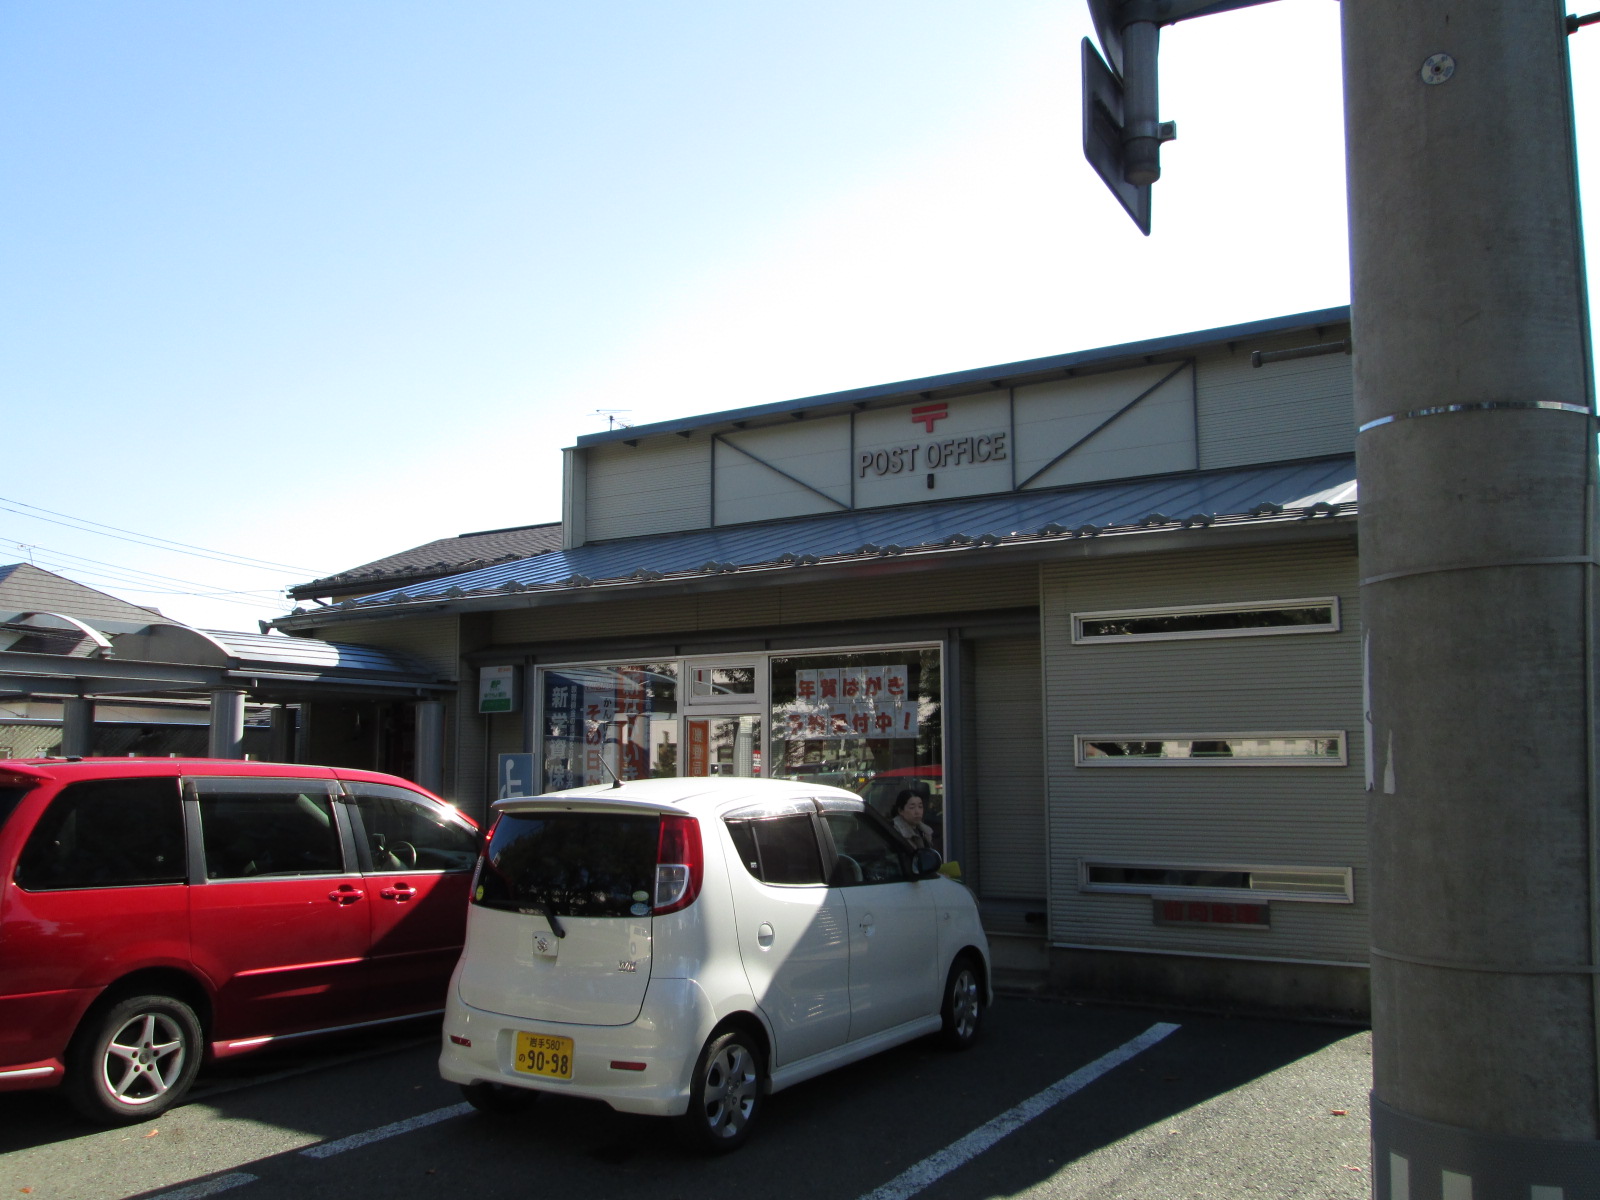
1098 611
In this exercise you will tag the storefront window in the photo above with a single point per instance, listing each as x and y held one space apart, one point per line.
716 684
723 746
867 722
609 718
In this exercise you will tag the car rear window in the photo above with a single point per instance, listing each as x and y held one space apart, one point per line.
107 833
578 864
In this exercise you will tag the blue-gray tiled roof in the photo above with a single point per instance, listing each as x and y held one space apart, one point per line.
1324 487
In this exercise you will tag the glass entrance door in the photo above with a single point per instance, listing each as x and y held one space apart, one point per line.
723 744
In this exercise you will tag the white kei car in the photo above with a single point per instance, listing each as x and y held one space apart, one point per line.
682 947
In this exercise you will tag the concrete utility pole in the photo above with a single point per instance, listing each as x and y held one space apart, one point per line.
1476 459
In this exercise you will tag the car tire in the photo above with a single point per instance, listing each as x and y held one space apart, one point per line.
962 1010
133 1060
725 1092
489 1097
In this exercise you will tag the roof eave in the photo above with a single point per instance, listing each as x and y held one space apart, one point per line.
360 587
1014 550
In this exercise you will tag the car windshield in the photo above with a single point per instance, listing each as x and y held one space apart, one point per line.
571 864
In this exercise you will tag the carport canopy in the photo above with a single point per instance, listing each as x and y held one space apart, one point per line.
62 640
56 656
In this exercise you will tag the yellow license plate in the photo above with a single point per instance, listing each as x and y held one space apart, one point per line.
542 1054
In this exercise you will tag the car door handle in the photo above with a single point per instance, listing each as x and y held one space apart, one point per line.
345 894
400 891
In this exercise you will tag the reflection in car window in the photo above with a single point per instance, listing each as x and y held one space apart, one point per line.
107 833
405 831
779 849
579 864
867 852
264 827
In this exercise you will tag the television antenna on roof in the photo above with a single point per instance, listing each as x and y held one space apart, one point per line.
610 414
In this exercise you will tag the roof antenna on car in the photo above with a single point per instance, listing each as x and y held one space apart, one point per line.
615 782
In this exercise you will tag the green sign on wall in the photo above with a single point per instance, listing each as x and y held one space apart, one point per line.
497 689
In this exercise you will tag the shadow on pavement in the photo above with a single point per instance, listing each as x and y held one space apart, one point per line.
1217 1089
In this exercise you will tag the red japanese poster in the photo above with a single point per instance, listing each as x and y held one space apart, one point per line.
869 701
699 748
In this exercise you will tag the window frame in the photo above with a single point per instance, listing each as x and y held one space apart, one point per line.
540 714
1342 759
1235 895
1079 638
355 792
752 817
71 794
759 703
752 701
222 784
872 819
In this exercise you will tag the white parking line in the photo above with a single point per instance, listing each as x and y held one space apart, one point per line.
329 1149
210 1187
930 1170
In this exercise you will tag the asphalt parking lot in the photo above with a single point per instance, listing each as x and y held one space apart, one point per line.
1057 1101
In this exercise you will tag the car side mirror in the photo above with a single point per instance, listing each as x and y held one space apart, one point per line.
925 863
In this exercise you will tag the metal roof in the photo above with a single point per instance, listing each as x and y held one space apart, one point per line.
978 378
1193 500
273 651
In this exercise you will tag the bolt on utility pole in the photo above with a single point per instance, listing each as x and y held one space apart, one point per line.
1476 463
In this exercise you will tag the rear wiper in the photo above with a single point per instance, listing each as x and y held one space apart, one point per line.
548 903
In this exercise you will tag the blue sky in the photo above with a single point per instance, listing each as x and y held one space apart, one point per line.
312 283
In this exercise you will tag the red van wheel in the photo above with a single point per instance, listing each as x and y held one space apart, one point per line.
133 1060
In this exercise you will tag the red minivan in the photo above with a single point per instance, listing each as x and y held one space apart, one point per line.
155 912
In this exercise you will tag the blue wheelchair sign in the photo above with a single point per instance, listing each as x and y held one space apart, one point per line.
516 776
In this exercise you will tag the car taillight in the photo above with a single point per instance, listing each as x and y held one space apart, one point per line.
679 864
